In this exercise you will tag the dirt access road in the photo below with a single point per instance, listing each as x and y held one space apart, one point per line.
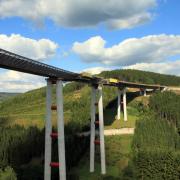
110 132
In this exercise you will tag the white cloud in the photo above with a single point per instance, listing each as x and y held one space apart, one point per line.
95 70
36 49
152 48
81 13
12 81
172 68
136 20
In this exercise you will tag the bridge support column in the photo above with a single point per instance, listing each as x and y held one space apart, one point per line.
124 104
48 130
119 104
101 131
60 124
92 134
140 92
144 92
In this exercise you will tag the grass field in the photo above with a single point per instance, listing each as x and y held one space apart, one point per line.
111 122
117 148
118 152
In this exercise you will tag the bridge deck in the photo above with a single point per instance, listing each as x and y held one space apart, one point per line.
16 62
123 84
19 63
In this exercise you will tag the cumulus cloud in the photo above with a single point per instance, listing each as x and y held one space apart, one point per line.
128 23
148 49
12 81
172 68
81 13
36 49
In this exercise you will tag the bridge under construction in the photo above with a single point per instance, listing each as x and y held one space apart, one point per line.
57 76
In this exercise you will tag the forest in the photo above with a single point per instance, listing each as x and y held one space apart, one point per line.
156 142
142 77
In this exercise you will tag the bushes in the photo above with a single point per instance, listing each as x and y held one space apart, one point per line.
20 145
73 86
30 172
166 105
17 145
7 174
154 133
156 148
158 165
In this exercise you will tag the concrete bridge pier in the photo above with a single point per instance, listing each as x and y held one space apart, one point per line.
92 135
60 125
140 92
100 122
101 131
123 93
144 92
48 131
124 104
119 92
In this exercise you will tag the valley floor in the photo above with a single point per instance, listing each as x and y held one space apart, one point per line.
118 138
118 152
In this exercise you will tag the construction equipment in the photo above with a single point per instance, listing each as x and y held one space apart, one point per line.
112 80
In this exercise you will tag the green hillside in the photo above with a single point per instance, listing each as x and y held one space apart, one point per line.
4 95
27 110
30 106
142 77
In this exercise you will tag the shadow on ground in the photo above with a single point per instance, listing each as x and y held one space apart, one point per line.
110 110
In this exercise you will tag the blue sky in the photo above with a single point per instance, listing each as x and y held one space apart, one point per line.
100 43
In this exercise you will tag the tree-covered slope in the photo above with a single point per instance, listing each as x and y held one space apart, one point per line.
142 77
156 142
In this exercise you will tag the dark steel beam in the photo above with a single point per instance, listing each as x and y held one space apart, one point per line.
19 63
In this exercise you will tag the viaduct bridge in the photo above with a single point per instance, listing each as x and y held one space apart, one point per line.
57 76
